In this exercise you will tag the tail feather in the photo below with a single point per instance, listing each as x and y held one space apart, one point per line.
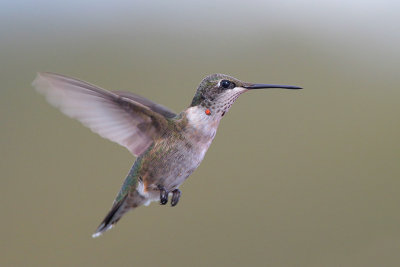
115 214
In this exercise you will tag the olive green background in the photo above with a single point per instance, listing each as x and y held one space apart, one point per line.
293 178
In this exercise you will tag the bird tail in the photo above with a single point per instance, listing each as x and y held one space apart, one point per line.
129 201
128 198
114 215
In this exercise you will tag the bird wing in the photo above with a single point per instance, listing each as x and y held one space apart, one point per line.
132 122
148 103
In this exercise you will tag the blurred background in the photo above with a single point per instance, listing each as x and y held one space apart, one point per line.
293 178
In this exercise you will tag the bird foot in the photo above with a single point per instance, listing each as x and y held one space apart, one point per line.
163 195
176 194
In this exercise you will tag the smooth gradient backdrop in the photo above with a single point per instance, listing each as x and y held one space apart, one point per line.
293 178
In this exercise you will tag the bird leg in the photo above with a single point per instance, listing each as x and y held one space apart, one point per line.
163 195
176 194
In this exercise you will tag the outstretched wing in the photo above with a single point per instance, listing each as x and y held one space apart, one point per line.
148 103
130 122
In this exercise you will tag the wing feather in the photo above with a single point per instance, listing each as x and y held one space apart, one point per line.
148 103
132 122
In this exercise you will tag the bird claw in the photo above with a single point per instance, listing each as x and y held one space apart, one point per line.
163 195
176 194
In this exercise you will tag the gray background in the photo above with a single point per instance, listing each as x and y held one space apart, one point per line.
294 178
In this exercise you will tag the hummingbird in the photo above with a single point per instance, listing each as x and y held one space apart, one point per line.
168 146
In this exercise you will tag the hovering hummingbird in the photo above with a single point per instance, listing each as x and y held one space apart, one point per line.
168 146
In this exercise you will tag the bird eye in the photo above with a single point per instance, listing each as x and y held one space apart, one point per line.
225 83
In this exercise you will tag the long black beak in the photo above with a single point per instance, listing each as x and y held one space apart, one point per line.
265 86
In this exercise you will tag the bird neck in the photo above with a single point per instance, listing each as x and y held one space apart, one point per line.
202 120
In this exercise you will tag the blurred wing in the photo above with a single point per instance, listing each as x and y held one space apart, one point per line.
166 112
123 120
